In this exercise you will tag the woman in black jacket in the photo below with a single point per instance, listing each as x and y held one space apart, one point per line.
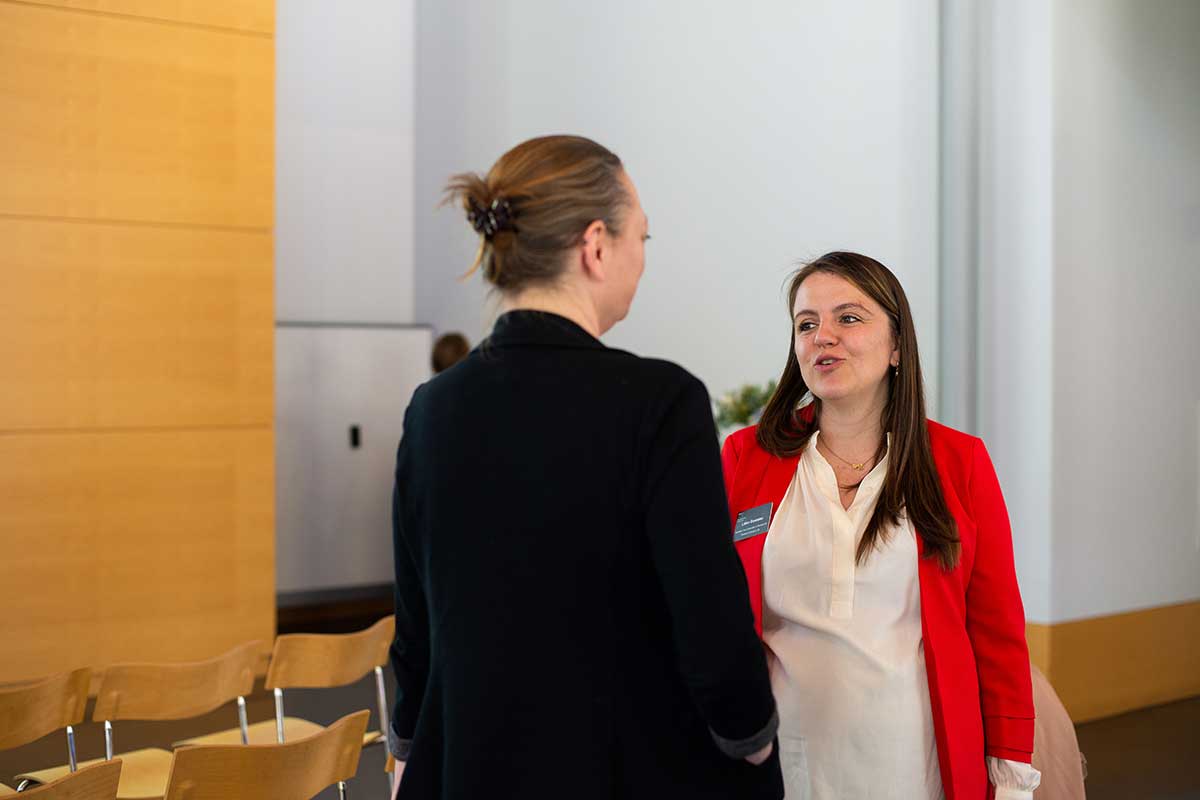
571 619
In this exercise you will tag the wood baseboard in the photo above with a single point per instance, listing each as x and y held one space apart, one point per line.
334 610
1112 664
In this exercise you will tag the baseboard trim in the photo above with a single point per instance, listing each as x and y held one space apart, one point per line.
338 610
1109 665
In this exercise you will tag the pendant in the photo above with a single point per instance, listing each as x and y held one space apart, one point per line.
858 467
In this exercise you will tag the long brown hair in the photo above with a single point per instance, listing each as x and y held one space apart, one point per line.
911 484
553 187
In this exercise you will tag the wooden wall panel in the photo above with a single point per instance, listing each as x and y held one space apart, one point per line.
1037 636
1108 665
252 16
136 331
122 119
133 546
127 326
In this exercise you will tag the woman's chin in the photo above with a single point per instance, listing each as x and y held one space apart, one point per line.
832 392
827 391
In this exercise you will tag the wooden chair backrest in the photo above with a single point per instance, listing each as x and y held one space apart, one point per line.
292 771
97 782
32 710
320 661
176 691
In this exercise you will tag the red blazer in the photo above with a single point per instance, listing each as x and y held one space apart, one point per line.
971 617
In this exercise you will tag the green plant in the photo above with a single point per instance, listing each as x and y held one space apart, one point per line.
743 406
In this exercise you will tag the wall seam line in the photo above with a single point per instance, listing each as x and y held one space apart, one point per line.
265 426
138 18
133 223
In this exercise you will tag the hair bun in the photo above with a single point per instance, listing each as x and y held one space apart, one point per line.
491 219
533 205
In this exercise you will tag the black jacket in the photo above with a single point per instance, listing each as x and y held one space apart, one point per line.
571 619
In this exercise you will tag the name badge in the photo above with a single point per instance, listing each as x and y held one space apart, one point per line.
752 522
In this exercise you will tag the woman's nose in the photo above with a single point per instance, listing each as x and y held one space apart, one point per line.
823 335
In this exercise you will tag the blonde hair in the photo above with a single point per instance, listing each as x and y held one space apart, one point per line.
551 189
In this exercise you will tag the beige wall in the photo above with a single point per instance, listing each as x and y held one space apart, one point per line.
136 330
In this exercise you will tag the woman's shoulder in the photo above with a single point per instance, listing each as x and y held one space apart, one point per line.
743 439
657 380
658 370
742 446
954 451
950 438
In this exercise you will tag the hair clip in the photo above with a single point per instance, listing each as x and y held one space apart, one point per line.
491 220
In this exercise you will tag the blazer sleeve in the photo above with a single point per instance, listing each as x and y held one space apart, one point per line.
410 648
996 620
687 525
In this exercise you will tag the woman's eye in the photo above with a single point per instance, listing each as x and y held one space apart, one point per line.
850 318
805 326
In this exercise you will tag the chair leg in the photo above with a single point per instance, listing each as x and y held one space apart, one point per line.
341 790
385 724
108 741
243 725
23 785
71 747
381 697
279 716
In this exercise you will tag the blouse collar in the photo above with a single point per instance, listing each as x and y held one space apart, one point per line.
820 469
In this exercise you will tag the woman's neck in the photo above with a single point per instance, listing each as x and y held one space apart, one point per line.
561 301
852 427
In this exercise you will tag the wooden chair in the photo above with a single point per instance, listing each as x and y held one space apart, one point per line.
163 692
97 782
317 661
32 710
293 771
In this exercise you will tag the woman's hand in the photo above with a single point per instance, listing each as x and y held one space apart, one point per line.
762 755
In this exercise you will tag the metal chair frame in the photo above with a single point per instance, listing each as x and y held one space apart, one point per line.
384 722
108 733
114 708
72 759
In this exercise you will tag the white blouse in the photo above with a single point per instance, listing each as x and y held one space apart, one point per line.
846 656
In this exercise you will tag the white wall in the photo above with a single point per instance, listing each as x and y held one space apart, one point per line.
1126 325
758 134
1013 366
344 160
764 133
1085 173
344 238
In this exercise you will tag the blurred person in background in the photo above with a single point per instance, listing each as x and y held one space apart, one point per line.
448 350
571 618
880 562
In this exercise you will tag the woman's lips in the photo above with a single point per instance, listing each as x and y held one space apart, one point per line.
822 367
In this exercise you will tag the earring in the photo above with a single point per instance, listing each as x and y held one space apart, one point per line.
896 370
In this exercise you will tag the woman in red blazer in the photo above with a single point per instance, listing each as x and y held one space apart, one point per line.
850 409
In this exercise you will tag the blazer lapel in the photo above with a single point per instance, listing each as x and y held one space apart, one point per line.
776 477
764 481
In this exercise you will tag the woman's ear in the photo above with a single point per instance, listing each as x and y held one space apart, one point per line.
595 251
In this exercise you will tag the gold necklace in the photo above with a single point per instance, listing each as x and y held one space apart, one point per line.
856 467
